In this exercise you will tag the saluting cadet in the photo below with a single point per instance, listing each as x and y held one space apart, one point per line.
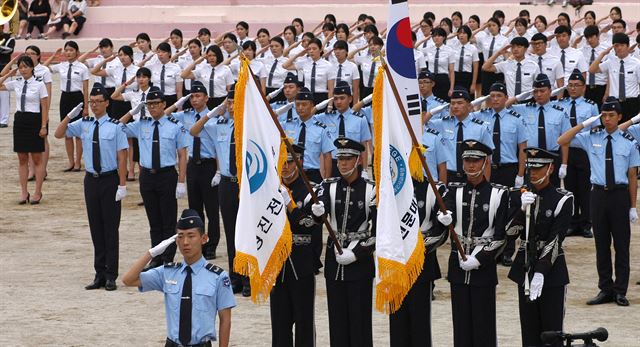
369 64
318 74
346 70
596 82
276 74
161 140
194 52
290 88
221 133
166 75
519 72
308 131
143 43
343 122
190 322
117 72
351 205
105 159
479 210
292 298
204 36
458 127
74 84
545 122
614 159
466 60
623 71
426 82
540 269
548 63
201 166
491 44
440 60
577 180
217 78
106 50
570 58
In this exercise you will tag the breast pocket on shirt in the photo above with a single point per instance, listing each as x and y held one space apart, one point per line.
172 295
597 150
107 135
169 137
621 155
204 298
353 134
509 131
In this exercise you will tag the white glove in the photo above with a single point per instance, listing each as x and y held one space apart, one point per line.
216 111
75 112
274 93
162 246
635 119
367 100
633 215
557 91
286 198
588 123
535 290
478 101
471 263
137 109
445 219
347 257
434 111
524 96
216 179
284 109
318 209
562 173
526 199
365 174
182 100
519 182
121 193
323 104
181 190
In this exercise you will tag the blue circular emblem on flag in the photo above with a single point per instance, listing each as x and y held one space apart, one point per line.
398 168
255 166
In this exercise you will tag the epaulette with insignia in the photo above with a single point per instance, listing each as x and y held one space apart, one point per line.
564 192
172 120
433 131
281 102
173 265
596 129
589 101
531 103
558 108
320 124
331 112
439 100
331 180
214 268
114 121
628 136
499 186
486 109
88 119
514 113
457 184
358 114
222 120
449 117
563 99
477 121
147 118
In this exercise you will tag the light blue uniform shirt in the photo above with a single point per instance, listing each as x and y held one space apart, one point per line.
585 109
472 128
431 102
318 140
513 131
356 126
290 114
172 136
188 119
220 132
556 123
435 152
625 154
634 130
111 140
211 290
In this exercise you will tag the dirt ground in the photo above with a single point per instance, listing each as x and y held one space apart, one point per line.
46 259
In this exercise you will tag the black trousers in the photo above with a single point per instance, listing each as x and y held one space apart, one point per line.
595 94
37 22
630 108
292 304
104 220
410 326
158 192
610 218
474 316
350 305
202 196
544 314
228 197
578 182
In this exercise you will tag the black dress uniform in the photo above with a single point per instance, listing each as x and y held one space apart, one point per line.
293 295
410 326
351 206
479 214
541 252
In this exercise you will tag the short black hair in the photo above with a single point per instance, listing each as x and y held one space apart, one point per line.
177 32
26 60
376 40
126 50
456 14
278 40
104 43
231 37
164 46
71 44
263 30
143 36
330 17
591 30
465 29
372 29
562 29
362 17
498 14
195 42
316 42
429 15
341 44
328 26
475 17
543 19
249 44
243 24
566 16
372 19
217 51
524 13
344 28
621 21
143 71
204 31
309 35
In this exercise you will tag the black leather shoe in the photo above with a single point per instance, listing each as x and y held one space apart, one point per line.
246 291
601 298
621 300
506 260
110 285
96 284
571 232
587 233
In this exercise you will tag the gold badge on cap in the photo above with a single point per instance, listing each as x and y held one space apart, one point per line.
471 143
343 142
533 152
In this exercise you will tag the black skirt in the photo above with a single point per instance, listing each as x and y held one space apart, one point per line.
170 99
318 98
68 101
119 108
489 78
441 89
480 63
213 102
463 79
26 133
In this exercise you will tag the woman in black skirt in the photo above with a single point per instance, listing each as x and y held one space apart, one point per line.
29 125
74 87
439 60
166 74
215 76
319 75
465 61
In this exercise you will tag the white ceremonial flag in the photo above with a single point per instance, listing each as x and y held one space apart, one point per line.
399 244
263 237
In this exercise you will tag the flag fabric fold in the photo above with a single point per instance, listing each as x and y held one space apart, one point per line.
263 237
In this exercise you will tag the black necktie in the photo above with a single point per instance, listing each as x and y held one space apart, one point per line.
608 164
572 114
540 64
103 79
124 75
155 147
162 79
339 75
621 88
232 153
273 69
303 134
290 115
542 135
341 127
313 78
95 148
461 62
493 43
196 143
592 77
212 77
23 97
518 79
68 87
185 309
424 104
143 110
435 61
562 59
372 74
459 139
496 139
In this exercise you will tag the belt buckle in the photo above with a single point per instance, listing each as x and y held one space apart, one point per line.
153 171
95 175
234 179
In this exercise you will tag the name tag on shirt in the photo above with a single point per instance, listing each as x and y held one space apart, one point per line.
597 145
174 282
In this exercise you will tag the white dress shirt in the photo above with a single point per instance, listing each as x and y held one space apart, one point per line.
79 74
36 90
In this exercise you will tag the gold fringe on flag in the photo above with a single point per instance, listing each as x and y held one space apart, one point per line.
376 107
415 165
